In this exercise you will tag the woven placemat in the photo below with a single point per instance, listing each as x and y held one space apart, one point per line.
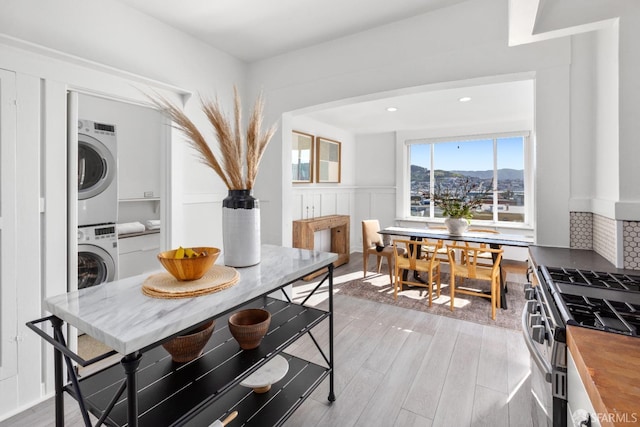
164 285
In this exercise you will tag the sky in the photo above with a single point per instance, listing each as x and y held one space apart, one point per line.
470 155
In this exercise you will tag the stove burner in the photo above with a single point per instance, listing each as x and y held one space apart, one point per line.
625 282
606 309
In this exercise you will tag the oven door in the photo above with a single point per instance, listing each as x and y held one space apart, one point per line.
541 370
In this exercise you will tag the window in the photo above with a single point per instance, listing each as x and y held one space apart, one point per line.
497 161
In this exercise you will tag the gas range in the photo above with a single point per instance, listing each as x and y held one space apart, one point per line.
604 301
608 302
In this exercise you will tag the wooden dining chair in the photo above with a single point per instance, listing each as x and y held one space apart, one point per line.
372 244
470 268
408 256
484 257
441 253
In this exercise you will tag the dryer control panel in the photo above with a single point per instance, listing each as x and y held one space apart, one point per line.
93 233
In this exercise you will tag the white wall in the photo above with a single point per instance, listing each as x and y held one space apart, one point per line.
465 41
48 44
375 155
375 196
582 162
606 182
616 110
319 199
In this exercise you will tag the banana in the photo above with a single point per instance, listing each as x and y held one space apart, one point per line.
182 253
179 253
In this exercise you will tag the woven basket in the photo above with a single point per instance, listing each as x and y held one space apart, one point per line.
185 348
249 326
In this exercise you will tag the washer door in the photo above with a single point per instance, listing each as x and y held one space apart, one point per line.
95 266
96 167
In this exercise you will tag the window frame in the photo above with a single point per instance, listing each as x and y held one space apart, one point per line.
528 173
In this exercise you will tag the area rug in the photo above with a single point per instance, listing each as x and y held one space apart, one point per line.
376 287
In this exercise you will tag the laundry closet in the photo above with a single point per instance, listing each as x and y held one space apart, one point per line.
121 148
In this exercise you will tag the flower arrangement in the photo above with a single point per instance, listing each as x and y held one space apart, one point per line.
238 157
459 200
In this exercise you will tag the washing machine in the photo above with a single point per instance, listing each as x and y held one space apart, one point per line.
97 255
97 173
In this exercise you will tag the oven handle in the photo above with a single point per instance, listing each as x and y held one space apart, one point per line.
541 362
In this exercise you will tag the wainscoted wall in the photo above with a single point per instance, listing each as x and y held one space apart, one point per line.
357 202
591 231
581 230
631 244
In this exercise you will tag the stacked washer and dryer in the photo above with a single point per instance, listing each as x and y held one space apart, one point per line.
97 203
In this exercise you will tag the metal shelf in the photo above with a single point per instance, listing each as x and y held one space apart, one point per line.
203 390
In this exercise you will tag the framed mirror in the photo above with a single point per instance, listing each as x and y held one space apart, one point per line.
301 157
328 160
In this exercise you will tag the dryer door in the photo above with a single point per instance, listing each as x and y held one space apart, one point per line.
96 167
95 266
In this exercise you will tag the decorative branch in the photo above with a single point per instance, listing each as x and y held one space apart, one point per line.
233 148
459 200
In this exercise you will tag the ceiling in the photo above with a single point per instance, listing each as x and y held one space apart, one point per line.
256 29
490 103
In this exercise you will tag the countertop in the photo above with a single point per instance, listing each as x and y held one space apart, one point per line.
119 315
608 363
573 258
609 366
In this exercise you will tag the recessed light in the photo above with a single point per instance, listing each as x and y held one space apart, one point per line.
391 109
465 99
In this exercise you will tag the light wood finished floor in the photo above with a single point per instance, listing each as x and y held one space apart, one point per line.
397 367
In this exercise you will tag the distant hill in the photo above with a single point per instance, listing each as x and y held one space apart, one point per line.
418 173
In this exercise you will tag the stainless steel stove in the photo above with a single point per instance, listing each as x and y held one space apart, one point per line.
608 302
604 301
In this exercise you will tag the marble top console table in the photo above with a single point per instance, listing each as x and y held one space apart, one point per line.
206 389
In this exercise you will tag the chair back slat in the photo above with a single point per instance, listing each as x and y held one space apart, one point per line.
414 253
472 255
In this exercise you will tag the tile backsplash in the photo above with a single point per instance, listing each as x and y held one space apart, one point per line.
592 231
581 230
605 238
631 244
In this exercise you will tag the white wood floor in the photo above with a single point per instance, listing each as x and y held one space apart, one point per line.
398 367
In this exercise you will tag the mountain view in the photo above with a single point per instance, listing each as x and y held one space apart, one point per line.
418 173
510 192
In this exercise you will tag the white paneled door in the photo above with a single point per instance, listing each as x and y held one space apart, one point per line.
8 313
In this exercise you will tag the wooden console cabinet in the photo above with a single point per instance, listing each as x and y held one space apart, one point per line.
304 231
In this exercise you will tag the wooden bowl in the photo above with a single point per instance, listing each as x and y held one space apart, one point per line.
185 348
189 268
249 326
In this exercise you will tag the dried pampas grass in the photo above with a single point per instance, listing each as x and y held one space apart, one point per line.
232 146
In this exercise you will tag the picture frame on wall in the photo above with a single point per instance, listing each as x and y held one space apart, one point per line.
328 160
302 157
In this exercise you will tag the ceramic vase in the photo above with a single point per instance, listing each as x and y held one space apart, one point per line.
456 226
241 229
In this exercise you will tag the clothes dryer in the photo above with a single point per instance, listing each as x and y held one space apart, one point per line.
97 173
97 255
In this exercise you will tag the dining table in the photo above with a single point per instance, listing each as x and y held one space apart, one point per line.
494 240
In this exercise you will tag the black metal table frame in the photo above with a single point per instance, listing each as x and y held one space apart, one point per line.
130 362
492 240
